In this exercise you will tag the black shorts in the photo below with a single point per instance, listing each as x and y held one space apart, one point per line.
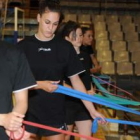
76 112
43 132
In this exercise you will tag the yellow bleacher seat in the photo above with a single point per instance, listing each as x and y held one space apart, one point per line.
131 36
124 68
137 20
135 56
111 18
113 27
98 18
116 36
99 26
105 55
72 17
137 68
133 46
138 28
125 19
102 45
118 45
108 68
84 19
101 35
121 56
130 27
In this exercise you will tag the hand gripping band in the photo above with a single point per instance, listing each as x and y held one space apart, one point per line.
95 123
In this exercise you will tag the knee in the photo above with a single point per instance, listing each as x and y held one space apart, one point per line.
67 137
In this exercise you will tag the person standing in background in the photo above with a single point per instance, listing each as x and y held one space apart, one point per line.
76 113
87 47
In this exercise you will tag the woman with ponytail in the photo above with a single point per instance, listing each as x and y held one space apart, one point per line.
50 58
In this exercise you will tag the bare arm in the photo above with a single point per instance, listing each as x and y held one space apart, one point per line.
48 86
91 91
21 105
66 85
13 120
94 60
21 102
97 67
78 85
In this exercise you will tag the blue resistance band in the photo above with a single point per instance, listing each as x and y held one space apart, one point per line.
91 98
95 123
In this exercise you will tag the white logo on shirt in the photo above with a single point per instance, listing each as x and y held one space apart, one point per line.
81 58
44 49
62 127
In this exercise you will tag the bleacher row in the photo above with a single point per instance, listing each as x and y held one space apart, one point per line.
117 42
94 18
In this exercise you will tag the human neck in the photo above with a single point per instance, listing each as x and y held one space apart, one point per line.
42 38
77 49
85 44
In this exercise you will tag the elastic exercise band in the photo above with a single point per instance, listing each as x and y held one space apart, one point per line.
58 130
117 100
95 123
114 99
91 98
108 94
112 85
12 136
51 129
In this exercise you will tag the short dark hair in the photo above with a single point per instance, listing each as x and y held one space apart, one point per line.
84 29
69 27
50 5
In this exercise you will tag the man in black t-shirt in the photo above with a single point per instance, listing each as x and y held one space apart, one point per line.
16 77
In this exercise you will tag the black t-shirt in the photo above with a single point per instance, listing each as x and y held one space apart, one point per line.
87 64
49 60
15 75
87 49
85 76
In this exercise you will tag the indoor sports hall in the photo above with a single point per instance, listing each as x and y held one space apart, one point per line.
116 46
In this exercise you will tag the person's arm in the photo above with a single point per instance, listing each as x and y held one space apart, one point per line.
66 85
48 86
78 85
97 67
94 60
21 102
91 91
13 120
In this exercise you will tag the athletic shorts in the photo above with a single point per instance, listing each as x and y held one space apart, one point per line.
76 112
43 132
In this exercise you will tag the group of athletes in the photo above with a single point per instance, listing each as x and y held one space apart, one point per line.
32 70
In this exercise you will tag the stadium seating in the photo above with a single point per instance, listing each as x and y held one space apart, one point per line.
108 68
84 18
105 55
102 45
119 46
121 56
